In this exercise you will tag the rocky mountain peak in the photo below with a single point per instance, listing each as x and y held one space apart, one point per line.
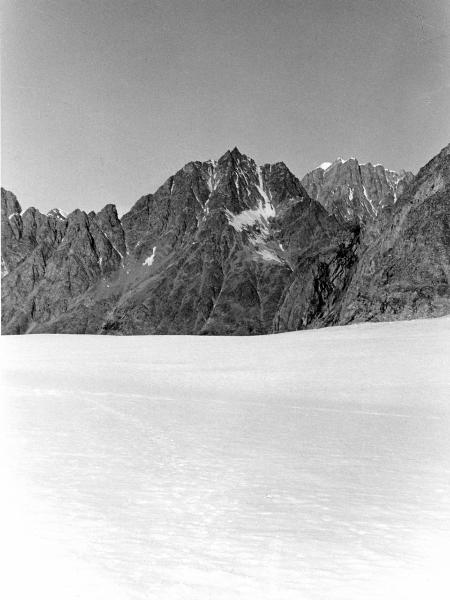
355 192
78 217
234 155
404 270
232 190
10 204
433 177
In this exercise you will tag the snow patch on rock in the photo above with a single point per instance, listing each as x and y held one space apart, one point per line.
212 182
269 255
149 260
262 192
251 217
4 268
247 218
374 210
254 216
57 213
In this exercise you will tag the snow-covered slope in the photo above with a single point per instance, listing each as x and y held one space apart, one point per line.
305 465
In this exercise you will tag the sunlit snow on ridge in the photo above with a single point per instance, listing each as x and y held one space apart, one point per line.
58 214
306 466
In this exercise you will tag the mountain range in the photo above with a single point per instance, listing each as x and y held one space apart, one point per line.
229 247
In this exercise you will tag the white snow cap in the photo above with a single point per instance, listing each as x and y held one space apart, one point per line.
325 165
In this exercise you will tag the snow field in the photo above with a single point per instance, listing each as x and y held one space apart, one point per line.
307 465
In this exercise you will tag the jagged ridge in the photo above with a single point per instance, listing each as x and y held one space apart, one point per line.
354 192
228 247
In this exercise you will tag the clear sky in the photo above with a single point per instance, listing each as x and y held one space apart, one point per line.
102 100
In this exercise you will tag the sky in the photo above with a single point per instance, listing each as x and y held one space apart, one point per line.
103 100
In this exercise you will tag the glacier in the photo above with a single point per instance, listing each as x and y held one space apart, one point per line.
310 465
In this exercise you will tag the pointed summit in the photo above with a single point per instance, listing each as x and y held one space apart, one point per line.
235 155
10 204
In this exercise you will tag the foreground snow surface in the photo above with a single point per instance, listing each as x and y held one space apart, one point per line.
309 465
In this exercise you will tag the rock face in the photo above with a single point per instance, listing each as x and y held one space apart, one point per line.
404 261
228 247
354 192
